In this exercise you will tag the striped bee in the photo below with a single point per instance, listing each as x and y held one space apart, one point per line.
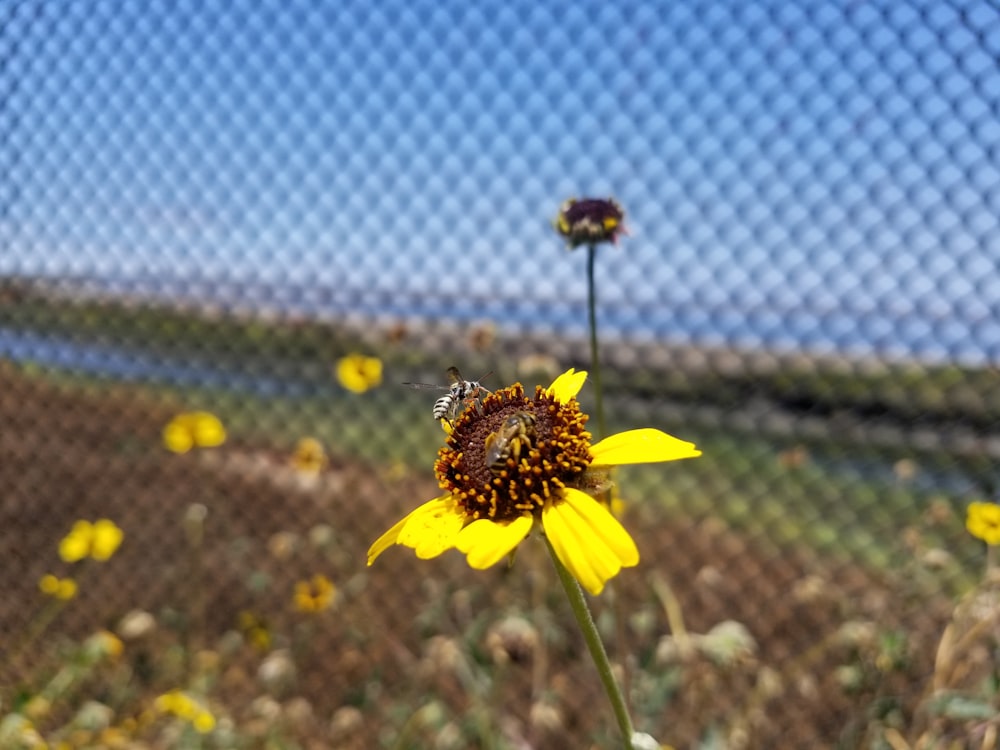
460 393
516 433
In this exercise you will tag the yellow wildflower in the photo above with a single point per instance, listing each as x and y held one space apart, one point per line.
183 706
314 595
309 456
255 631
358 373
98 540
58 588
983 522
196 429
104 643
492 503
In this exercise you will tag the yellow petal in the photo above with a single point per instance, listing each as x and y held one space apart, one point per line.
432 528
640 447
983 522
588 540
604 526
486 542
203 722
391 537
358 373
66 590
177 435
566 386
76 545
207 430
107 537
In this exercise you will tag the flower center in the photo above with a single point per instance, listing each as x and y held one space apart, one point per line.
509 454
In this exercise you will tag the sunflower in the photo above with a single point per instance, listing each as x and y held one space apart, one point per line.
491 505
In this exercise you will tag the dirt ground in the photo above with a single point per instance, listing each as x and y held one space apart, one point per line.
69 453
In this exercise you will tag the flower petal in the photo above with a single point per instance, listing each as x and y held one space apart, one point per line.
983 522
486 542
640 447
391 537
177 435
566 386
385 541
588 540
431 529
207 430
107 537
76 545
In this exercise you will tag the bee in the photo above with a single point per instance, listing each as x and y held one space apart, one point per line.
460 393
516 432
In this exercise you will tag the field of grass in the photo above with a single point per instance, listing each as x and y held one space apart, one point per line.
843 582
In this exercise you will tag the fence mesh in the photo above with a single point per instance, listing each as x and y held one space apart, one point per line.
263 218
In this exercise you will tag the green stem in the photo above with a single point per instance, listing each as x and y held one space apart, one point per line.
596 647
595 360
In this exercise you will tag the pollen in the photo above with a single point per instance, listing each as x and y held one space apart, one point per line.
527 472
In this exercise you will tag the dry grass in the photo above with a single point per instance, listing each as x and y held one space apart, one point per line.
430 653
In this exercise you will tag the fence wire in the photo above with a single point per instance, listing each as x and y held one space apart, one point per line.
229 233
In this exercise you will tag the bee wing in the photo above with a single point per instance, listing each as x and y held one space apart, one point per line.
427 386
454 376
494 447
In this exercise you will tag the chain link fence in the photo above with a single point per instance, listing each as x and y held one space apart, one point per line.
206 210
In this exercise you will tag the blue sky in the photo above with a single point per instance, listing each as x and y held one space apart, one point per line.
817 174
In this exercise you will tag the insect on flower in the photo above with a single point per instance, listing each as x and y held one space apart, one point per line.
460 393
486 514
516 433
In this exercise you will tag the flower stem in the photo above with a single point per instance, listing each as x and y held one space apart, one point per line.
595 646
595 360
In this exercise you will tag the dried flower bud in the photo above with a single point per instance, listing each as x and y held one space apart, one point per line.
589 221
513 639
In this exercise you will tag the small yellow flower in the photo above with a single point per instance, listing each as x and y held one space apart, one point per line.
309 456
314 595
104 643
358 373
255 631
203 722
983 522
489 506
63 589
183 706
98 540
196 429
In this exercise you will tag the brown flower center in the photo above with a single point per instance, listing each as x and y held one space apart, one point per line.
509 454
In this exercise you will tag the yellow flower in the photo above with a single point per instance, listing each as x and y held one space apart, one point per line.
255 631
358 373
314 595
309 456
196 429
489 507
104 643
58 588
183 706
98 540
983 522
